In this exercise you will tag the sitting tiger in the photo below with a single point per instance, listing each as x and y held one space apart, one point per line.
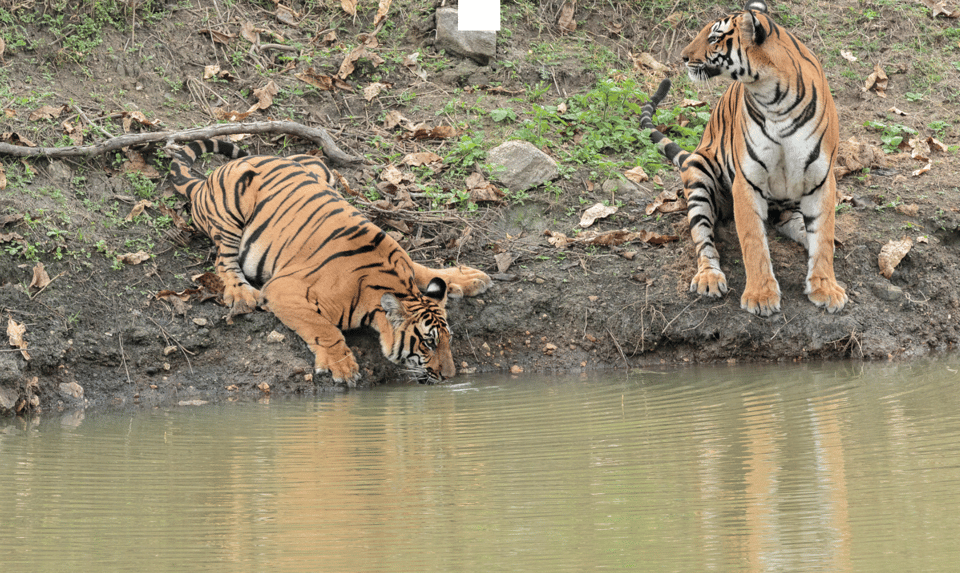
321 267
767 153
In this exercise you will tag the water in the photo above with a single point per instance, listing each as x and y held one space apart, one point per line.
835 468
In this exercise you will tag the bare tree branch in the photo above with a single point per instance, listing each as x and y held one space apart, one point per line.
317 135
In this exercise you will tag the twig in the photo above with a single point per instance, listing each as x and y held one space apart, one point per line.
123 357
175 341
317 135
617 344
678 316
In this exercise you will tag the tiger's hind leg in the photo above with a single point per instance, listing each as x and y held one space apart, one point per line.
702 214
238 294
289 299
461 281
818 209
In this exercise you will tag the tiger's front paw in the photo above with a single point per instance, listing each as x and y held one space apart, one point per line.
344 371
709 282
468 282
763 300
826 293
241 298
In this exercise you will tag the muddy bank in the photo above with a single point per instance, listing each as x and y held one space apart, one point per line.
99 327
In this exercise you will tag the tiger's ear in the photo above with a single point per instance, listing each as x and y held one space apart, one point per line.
751 30
393 308
437 290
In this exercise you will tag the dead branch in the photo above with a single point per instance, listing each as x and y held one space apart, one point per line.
317 135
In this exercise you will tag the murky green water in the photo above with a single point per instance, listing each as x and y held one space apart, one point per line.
834 468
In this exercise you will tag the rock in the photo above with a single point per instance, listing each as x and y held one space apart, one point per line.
71 390
8 399
519 165
480 47
10 371
886 291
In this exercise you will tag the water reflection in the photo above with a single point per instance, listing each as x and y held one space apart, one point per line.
814 468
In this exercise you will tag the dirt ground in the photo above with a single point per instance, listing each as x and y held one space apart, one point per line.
100 326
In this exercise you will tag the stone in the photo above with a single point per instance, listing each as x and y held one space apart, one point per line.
480 47
519 165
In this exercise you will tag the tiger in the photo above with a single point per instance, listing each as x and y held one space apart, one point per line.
288 242
767 153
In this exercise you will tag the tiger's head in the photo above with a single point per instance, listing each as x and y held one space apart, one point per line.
729 47
419 339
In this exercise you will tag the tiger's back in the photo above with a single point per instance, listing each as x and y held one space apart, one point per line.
767 153
288 241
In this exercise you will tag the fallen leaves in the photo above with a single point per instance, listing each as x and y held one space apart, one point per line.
939 8
40 277
134 258
350 61
667 202
322 81
877 81
892 253
853 156
15 333
566 21
598 211
608 238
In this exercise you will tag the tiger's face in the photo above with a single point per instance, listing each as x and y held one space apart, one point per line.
726 48
420 338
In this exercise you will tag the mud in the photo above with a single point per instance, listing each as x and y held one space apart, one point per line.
100 325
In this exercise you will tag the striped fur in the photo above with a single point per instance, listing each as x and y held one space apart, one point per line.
288 241
767 153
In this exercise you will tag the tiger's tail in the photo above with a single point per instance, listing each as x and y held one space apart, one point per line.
670 150
183 181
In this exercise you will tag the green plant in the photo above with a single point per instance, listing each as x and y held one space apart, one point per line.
890 134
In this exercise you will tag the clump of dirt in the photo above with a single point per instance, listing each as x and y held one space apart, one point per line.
97 324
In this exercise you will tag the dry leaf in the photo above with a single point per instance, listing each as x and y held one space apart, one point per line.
322 81
265 95
637 175
349 6
853 156
219 37
566 21
421 131
129 117
645 60
15 332
210 71
328 39
10 238
421 158
138 209
392 175
393 119
911 210
232 115
382 12
133 258
598 211
609 238
249 33
46 112
877 81
692 103
927 167
287 16
374 89
481 190
934 143
40 277
666 202
349 62
848 56
135 163
939 8
411 63
892 253
504 260
3 178
75 134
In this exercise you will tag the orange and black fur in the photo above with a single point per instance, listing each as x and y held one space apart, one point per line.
767 154
288 241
